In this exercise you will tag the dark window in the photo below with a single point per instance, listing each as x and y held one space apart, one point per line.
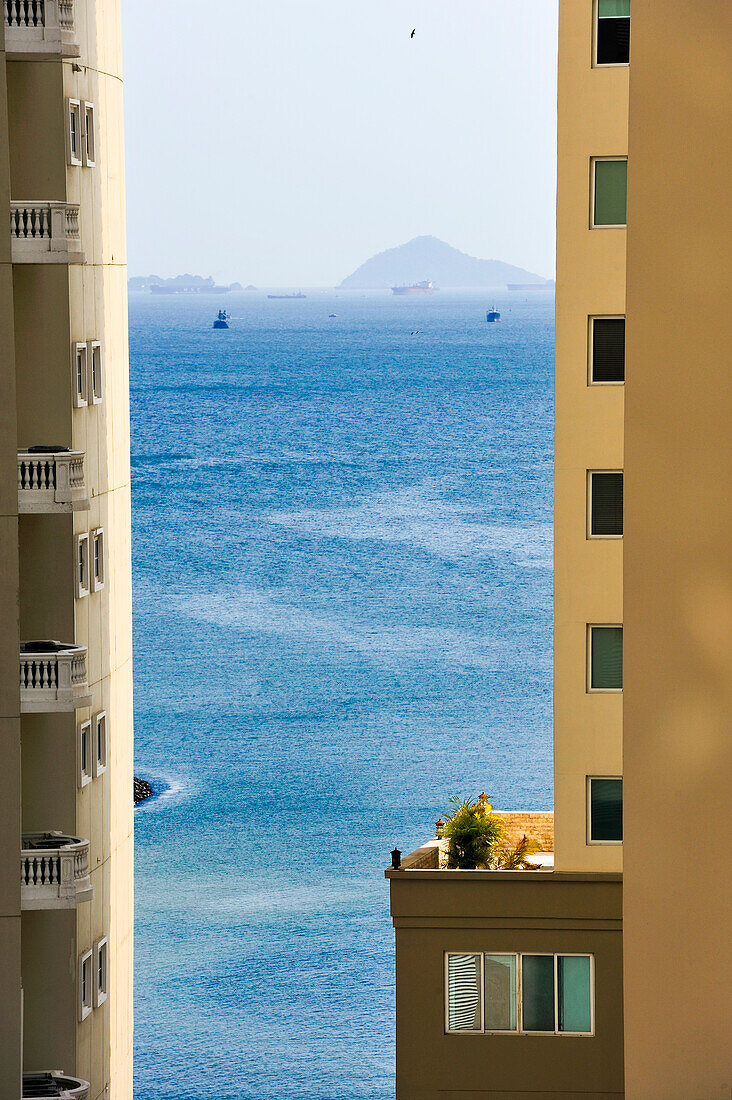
613 32
606 809
608 349
606 656
538 992
606 503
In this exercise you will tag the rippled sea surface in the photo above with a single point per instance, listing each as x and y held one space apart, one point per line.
342 596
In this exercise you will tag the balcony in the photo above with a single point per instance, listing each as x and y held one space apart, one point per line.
45 233
53 678
54 872
51 479
36 29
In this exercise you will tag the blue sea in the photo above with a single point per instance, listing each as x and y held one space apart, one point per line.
342 595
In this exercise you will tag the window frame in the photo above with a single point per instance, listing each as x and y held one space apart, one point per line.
97 579
85 774
79 353
588 687
595 28
101 955
74 157
99 758
81 565
594 161
85 1003
519 956
87 113
95 392
588 838
590 535
592 317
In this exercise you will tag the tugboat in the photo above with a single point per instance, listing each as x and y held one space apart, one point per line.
222 321
492 315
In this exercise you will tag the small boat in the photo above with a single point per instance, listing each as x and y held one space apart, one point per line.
281 296
222 321
332 314
492 314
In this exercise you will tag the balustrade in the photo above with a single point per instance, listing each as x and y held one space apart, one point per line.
38 28
51 480
54 871
53 677
45 232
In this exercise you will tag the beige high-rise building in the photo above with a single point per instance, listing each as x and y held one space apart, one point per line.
65 583
594 979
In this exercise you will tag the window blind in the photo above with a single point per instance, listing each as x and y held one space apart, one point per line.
463 992
606 657
606 809
608 349
606 503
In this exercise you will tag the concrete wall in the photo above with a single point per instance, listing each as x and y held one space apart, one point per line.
474 911
592 121
678 580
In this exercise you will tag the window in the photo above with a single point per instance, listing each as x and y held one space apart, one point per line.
96 374
73 131
519 993
84 754
82 566
605 491
612 32
100 743
86 985
607 349
604 810
97 570
606 658
101 971
81 387
90 137
609 192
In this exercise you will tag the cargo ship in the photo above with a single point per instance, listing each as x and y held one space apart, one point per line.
280 296
425 287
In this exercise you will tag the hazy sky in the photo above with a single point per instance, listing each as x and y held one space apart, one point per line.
283 142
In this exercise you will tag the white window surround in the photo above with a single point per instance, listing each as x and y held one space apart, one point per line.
589 688
81 565
591 343
590 475
81 376
99 747
84 754
519 955
97 559
602 64
89 135
74 131
86 985
593 162
588 815
96 372
101 971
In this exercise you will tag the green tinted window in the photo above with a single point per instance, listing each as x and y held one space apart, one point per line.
606 809
612 8
537 973
606 656
573 977
611 192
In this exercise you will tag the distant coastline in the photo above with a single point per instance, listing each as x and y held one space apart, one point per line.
180 284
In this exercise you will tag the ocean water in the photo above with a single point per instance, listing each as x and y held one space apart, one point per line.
342 598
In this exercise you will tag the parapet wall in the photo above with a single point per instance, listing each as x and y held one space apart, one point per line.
536 824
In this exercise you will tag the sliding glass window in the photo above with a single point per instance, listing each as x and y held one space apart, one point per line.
612 32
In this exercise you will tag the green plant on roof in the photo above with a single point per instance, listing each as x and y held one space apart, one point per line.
476 838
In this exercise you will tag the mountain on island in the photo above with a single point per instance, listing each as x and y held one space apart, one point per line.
429 258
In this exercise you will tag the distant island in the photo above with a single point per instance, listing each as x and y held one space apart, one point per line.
429 258
179 284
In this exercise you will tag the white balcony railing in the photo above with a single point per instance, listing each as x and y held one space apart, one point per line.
45 232
54 871
35 29
53 678
51 480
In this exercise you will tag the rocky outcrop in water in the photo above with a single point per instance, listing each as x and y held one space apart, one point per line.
142 789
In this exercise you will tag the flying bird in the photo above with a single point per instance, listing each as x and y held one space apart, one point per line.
414 31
